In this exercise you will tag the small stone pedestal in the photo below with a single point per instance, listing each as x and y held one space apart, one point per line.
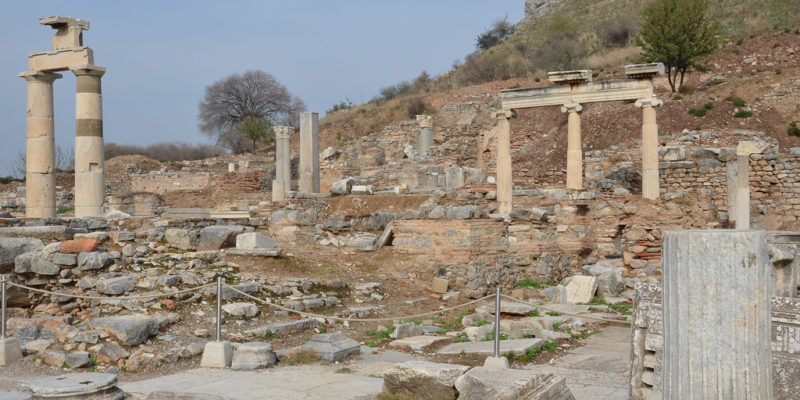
217 355
9 350
89 385
496 362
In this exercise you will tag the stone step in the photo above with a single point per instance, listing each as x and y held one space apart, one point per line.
419 343
517 347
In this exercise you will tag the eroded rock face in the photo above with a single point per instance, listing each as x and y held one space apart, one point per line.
424 380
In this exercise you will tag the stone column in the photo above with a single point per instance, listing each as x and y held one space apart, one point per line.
504 177
309 153
716 315
425 139
574 152
730 194
90 188
742 205
40 178
650 180
283 156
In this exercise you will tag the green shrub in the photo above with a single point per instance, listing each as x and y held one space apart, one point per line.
708 106
793 129
528 282
738 102
677 97
698 112
743 114
536 79
62 209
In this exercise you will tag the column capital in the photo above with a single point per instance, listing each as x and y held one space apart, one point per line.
39 76
504 114
651 102
425 121
87 69
283 132
572 108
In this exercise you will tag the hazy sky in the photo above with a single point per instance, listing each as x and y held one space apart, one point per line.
161 55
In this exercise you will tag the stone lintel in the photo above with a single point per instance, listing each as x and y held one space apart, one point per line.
590 92
60 60
570 77
88 69
57 22
644 71
747 147
39 76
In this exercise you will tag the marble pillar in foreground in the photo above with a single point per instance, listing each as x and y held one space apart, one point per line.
574 151
40 168
650 178
504 177
309 153
283 156
90 185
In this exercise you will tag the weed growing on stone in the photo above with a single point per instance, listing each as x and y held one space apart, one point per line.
489 336
528 282
553 314
793 129
462 337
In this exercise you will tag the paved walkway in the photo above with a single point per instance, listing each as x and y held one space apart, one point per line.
598 370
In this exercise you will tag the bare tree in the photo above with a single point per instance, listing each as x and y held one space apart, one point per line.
65 159
250 96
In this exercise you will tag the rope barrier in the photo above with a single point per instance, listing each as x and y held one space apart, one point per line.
613 321
279 307
84 297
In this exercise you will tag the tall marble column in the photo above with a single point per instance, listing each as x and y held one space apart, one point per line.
90 188
650 179
40 168
309 153
425 139
504 176
716 300
283 156
742 205
574 151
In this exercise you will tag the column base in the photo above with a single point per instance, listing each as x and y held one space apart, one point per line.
9 351
278 191
650 184
217 355
496 362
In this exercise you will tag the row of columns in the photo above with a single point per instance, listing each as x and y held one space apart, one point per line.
309 158
40 166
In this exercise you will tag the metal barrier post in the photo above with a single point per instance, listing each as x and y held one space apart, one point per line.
497 323
219 309
3 307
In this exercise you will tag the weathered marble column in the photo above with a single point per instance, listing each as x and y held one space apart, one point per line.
650 179
731 182
309 153
90 187
742 207
40 168
425 139
283 156
574 151
716 315
504 177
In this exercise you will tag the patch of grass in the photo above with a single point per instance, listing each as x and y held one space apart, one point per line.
381 335
698 112
481 323
344 370
624 309
462 337
536 79
415 321
550 346
489 336
743 114
269 335
301 357
738 102
708 106
577 335
534 313
793 130
553 313
677 97
596 301
528 282
63 209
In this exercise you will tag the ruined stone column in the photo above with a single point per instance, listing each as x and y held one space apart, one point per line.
425 139
40 168
504 177
574 152
730 194
716 315
742 205
309 153
283 156
90 188
650 180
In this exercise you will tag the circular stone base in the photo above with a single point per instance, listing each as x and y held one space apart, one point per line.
83 386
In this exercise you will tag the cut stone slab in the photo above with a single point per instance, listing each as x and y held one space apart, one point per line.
406 330
249 356
343 187
218 236
581 289
610 281
386 237
288 328
255 252
78 359
482 383
116 286
9 350
89 385
332 347
48 233
439 285
517 347
419 343
507 307
132 329
254 240
245 310
182 239
10 248
424 380
217 355
14 396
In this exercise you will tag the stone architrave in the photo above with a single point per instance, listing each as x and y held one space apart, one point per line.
504 176
650 182
309 152
425 138
89 158
40 168
283 156
574 151
716 315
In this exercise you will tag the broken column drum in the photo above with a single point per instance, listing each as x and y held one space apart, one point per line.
309 153
716 300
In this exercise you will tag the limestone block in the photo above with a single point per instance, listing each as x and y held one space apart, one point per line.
278 191
60 60
254 240
422 379
581 289
482 383
181 238
332 347
439 285
89 156
610 281
249 356
78 359
9 351
747 147
87 385
116 286
419 343
131 329
244 310
516 346
309 153
218 236
361 189
405 330
93 261
10 248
